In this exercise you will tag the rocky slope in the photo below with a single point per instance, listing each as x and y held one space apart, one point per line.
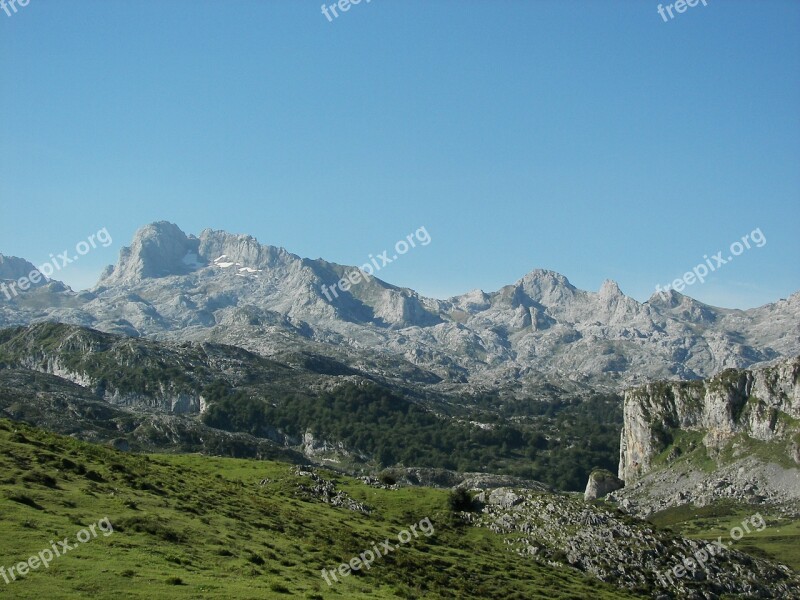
229 288
147 395
562 530
140 373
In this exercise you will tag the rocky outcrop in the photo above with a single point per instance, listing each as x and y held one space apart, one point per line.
502 497
601 482
322 450
324 490
560 530
763 404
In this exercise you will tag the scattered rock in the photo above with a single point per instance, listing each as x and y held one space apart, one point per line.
325 491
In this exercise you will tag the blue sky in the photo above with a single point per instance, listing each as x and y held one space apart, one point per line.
591 138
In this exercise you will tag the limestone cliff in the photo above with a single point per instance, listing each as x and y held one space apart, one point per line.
761 404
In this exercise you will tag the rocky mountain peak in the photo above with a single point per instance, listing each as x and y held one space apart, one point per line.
610 289
547 287
13 268
171 284
158 250
666 299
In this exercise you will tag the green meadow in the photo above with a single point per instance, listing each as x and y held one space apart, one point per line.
192 526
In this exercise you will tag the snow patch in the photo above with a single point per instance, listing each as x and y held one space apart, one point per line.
222 263
191 260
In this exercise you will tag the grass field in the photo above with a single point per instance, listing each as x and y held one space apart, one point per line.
189 526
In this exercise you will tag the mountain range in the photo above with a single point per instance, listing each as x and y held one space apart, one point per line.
229 288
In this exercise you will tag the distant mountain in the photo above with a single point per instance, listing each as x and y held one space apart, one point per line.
229 288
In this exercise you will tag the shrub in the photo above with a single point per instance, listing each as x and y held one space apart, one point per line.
40 478
387 478
459 500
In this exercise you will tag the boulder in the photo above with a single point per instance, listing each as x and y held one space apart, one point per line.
601 482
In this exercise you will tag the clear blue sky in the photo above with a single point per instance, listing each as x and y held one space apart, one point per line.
587 137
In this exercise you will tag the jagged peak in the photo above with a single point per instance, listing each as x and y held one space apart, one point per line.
15 274
157 250
673 299
161 249
544 286
610 288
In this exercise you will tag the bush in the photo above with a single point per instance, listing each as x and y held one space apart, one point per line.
387 479
459 500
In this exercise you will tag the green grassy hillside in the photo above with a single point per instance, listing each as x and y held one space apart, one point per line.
189 526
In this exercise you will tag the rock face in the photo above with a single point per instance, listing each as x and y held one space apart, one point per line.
601 482
762 405
230 288
158 250
322 450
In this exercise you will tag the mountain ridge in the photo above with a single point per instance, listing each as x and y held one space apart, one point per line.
229 288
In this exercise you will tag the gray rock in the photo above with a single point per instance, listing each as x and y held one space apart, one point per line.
601 482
